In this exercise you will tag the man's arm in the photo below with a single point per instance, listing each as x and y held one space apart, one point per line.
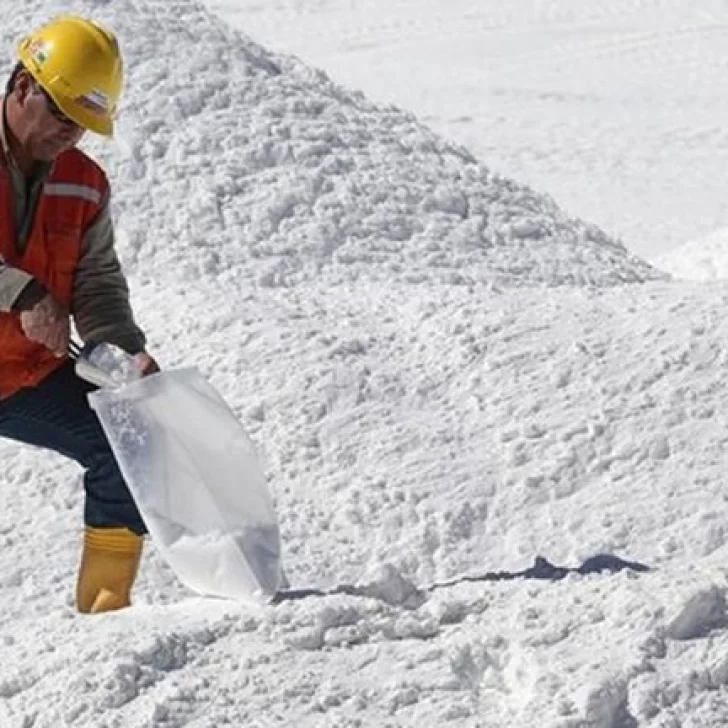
100 301
19 291
42 318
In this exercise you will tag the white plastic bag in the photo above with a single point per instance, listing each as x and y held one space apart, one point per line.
196 481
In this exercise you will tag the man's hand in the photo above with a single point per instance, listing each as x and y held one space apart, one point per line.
146 363
48 324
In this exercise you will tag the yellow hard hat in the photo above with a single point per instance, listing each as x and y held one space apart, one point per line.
78 63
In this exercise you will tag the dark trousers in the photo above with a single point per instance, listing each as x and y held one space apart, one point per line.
57 416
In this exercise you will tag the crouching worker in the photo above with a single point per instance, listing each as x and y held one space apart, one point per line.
57 260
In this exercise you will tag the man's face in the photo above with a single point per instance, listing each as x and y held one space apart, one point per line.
44 130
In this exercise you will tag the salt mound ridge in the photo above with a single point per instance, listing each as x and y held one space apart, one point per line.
274 175
702 259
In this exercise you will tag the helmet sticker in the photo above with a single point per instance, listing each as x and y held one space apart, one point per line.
39 52
94 101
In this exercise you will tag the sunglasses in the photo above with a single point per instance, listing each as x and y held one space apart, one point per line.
54 110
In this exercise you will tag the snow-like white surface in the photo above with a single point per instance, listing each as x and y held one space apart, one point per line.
444 375
618 109
703 259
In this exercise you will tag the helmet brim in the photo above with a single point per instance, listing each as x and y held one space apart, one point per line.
88 120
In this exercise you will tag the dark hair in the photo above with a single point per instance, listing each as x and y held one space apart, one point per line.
10 86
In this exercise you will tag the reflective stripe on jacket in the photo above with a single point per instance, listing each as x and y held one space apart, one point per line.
71 199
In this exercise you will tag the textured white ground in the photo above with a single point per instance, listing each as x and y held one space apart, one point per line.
443 372
618 109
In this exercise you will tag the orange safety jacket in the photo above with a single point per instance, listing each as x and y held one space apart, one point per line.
72 197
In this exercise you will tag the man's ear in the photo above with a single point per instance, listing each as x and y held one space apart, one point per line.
23 86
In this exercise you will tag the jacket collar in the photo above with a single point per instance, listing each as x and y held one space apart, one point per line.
4 145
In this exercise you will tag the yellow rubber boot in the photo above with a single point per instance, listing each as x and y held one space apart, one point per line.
109 565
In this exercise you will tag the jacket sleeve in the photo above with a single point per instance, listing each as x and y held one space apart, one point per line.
19 291
100 300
